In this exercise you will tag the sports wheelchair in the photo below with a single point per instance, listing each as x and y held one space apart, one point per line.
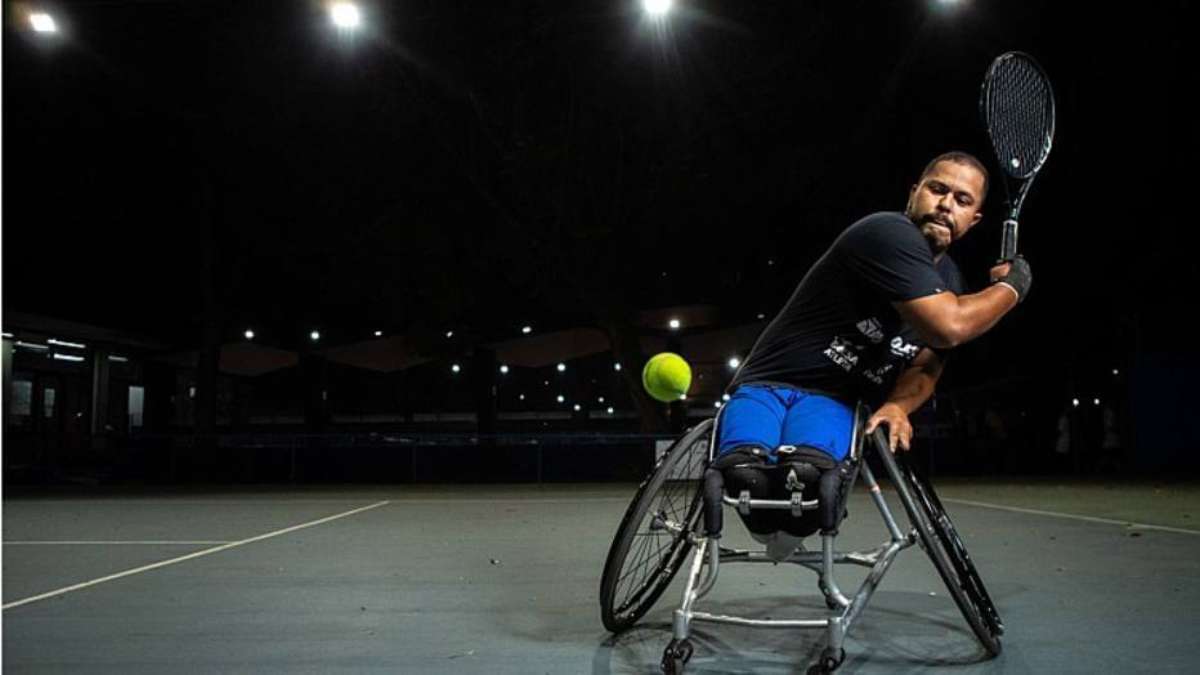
680 505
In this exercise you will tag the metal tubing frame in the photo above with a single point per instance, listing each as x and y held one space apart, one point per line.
708 556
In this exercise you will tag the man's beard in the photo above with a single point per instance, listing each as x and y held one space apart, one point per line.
937 243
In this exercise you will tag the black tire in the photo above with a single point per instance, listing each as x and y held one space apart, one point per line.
635 576
953 563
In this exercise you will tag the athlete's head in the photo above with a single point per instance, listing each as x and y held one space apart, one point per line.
947 200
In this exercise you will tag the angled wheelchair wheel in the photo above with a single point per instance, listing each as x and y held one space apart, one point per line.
653 538
953 563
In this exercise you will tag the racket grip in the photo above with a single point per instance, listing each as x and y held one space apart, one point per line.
1008 241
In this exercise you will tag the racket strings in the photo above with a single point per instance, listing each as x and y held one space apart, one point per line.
1020 116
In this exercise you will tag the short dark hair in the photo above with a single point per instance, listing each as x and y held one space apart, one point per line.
959 157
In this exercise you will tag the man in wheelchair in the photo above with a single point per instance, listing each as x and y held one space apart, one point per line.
872 317
864 335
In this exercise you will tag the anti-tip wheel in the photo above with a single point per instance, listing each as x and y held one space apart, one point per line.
829 662
676 656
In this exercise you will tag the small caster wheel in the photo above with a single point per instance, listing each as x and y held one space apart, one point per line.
676 655
829 661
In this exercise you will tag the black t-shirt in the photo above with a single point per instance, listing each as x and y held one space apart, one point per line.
839 335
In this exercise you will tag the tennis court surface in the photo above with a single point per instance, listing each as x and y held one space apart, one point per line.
1089 577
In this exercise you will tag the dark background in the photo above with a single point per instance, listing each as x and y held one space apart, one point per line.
483 165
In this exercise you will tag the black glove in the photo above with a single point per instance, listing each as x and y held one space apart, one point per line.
1019 277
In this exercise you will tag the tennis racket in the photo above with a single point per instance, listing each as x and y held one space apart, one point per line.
1016 103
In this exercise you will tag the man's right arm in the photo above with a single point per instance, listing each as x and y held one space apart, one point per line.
947 320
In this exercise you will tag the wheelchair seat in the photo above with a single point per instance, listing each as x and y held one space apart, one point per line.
810 481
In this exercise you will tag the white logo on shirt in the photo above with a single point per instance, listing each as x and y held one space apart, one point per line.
872 329
905 350
842 352
876 375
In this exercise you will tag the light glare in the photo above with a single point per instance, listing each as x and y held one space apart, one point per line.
30 345
43 23
657 7
345 15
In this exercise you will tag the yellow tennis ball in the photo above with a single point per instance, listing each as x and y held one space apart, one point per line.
666 377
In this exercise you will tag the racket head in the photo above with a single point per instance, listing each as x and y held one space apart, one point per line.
1016 103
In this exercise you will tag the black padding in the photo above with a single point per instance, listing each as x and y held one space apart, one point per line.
835 485
747 469
830 491
714 514
803 453
798 471
743 454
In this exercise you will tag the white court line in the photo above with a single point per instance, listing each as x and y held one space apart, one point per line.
402 500
513 500
186 502
1072 516
112 543
197 554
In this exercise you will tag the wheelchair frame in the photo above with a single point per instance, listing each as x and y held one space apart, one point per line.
929 527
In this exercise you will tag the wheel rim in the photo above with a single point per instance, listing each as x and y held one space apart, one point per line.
968 576
961 567
657 543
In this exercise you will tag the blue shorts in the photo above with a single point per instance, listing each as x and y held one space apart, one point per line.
769 416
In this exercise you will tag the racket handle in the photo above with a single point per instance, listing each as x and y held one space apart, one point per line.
1008 241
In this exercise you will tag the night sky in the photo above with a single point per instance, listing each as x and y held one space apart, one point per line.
483 165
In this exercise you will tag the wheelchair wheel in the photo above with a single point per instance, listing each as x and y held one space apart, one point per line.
953 563
653 538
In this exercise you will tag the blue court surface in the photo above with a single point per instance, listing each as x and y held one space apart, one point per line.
504 579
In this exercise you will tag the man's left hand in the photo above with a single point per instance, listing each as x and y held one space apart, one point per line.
900 432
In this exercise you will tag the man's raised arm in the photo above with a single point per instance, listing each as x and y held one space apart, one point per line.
947 320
